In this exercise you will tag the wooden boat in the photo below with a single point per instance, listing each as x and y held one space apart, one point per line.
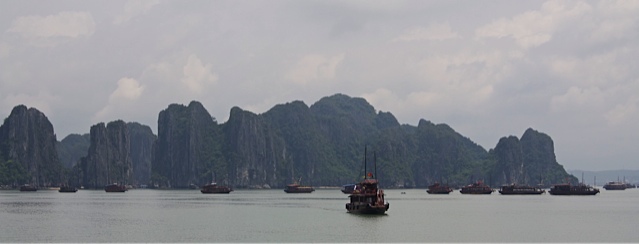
27 187
568 189
348 188
115 188
615 185
68 189
215 189
297 188
476 188
439 189
367 198
514 189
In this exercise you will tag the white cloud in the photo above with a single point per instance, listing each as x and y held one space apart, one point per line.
578 99
197 75
623 113
63 24
313 68
128 91
534 28
42 101
134 8
434 32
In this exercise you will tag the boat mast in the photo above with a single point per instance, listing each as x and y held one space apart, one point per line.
365 173
375 164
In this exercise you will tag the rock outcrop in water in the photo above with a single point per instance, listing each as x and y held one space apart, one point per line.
28 144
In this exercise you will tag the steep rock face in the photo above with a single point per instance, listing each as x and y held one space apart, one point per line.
108 159
254 152
187 150
509 158
530 161
27 138
72 148
142 140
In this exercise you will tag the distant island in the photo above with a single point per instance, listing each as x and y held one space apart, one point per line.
323 144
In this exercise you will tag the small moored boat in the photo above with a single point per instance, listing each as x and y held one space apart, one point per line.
297 188
115 188
439 189
68 189
215 189
27 187
569 189
476 188
367 198
514 189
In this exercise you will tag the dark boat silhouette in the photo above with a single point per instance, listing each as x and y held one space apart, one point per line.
615 185
115 188
348 188
569 189
215 189
476 188
514 189
439 189
68 189
27 187
297 188
367 198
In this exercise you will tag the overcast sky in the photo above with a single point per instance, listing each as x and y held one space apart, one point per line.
488 69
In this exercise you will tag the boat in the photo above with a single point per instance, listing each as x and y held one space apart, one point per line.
215 189
514 189
297 188
367 198
476 188
348 188
68 189
439 189
569 189
115 188
27 187
615 185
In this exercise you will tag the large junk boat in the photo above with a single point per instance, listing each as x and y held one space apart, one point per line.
348 188
27 187
514 189
115 188
615 185
568 189
215 189
439 189
367 198
476 188
297 188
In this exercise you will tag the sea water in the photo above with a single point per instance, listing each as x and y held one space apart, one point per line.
147 215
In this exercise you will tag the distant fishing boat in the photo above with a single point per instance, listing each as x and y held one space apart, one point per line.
295 187
68 189
476 188
115 188
348 188
514 189
568 189
215 189
27 187
439 189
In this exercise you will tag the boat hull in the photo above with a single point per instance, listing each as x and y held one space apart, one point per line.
563 193
299 190
438 192
365 208
217 191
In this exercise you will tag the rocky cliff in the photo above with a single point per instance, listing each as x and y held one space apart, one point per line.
141 151
108 159
72 148
27 139
530 161
187 150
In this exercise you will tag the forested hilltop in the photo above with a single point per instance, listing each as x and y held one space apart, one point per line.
322 144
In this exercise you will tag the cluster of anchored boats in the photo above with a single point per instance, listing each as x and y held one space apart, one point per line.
513 189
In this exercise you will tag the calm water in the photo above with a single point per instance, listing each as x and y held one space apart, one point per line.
274 216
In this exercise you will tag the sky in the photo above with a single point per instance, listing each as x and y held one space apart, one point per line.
488 69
